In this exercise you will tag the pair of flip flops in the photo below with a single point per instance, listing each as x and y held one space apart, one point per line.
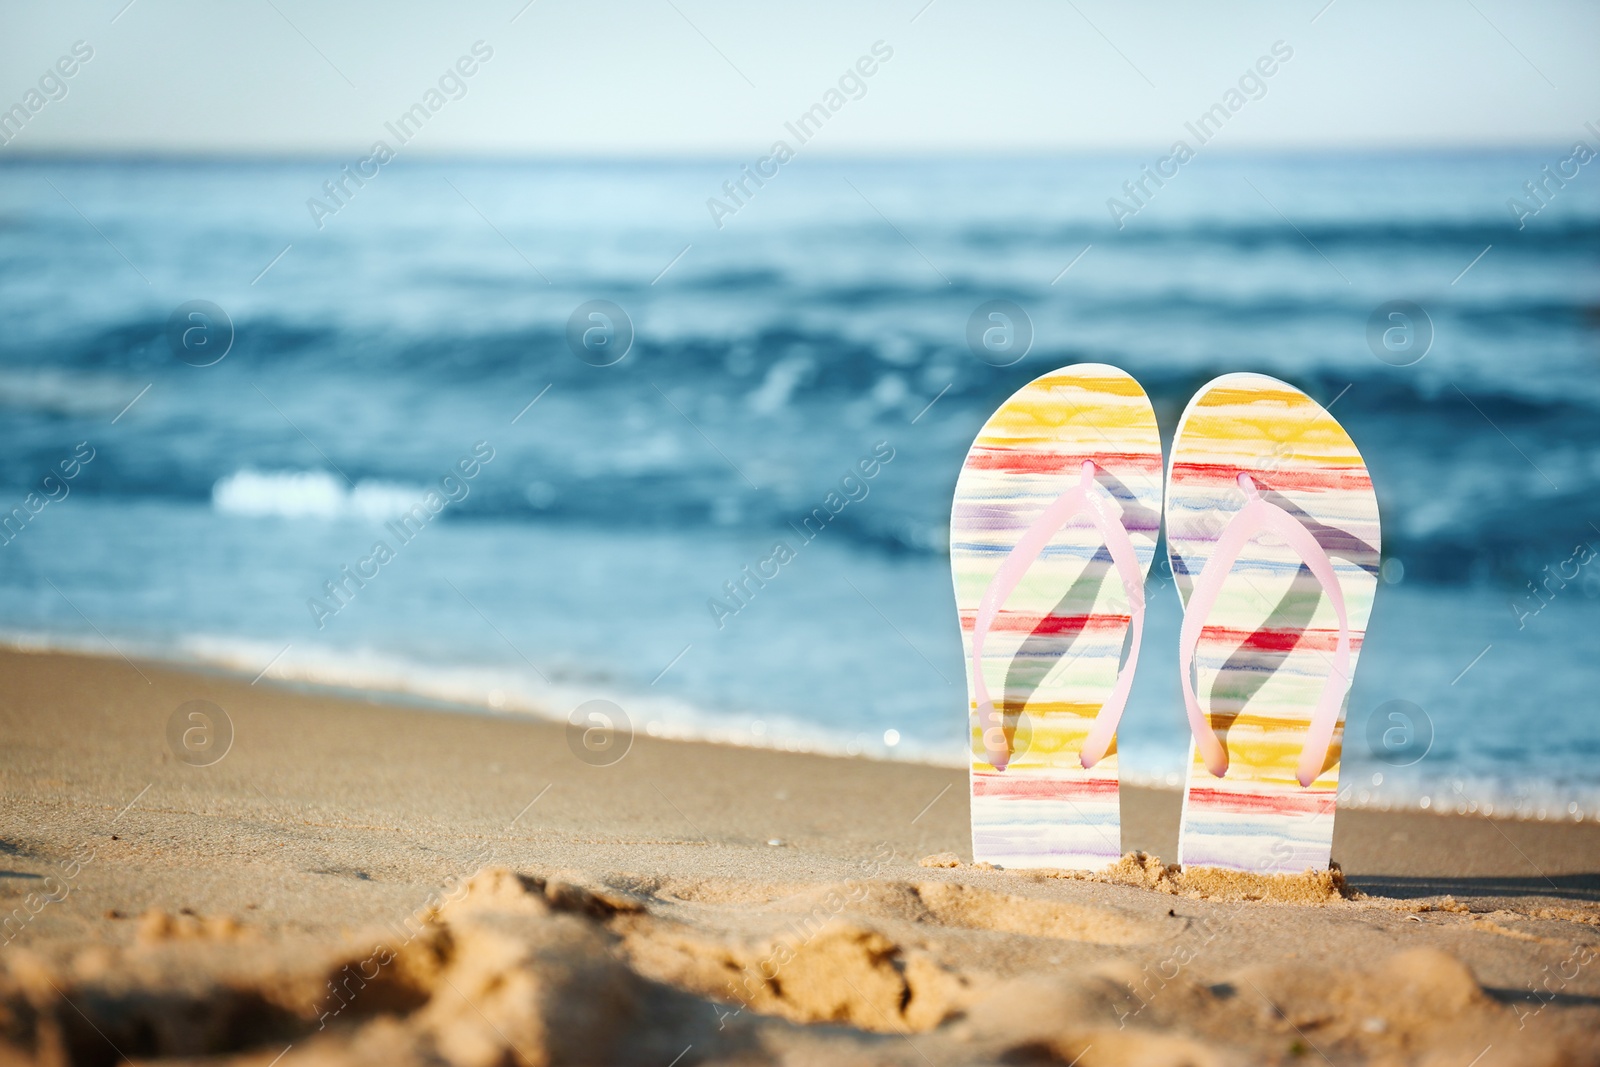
1273 540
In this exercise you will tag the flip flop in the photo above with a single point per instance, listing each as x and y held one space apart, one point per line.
1272 532
1052 532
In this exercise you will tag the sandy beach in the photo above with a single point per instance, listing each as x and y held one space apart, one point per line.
365 882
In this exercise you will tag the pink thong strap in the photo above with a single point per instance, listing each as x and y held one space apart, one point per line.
1080 497
1258 515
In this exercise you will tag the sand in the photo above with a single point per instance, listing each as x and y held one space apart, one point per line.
357 882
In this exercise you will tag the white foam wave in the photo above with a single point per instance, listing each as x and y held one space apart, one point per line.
507 689
310 494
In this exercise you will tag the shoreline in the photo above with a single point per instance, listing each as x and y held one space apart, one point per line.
445 697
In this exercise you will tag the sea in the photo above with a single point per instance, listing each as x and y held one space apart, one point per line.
612 400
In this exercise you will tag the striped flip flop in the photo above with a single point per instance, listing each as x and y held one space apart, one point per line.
1052 532
1272 531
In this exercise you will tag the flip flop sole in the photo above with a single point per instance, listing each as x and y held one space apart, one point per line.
1052 655
1268 643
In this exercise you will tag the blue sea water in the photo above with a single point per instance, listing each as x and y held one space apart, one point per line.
826 319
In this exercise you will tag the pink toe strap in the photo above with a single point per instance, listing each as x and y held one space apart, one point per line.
1085 496
1258 515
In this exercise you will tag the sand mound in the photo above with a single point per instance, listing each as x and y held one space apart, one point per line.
1199 883
843 973
1418 999
520 979
505 969
1418 1006
850 975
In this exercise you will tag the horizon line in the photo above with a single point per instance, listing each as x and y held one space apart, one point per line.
707 157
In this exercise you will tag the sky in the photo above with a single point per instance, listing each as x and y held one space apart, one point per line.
710 78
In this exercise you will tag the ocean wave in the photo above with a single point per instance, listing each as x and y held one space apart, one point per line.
1502 523
311 494
868 328
1368 235
55 392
